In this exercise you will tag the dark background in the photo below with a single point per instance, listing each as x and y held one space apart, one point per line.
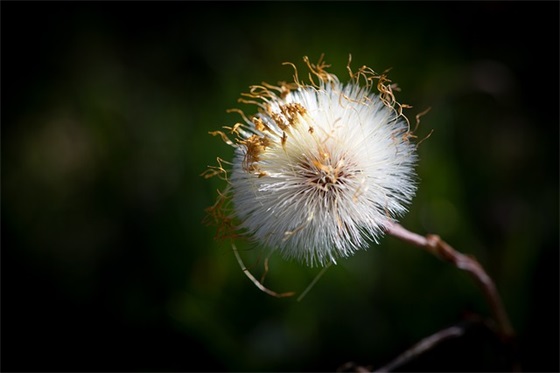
106 108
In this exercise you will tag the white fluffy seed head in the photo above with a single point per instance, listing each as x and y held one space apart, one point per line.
321 168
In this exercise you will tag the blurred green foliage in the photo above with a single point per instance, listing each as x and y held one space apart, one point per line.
106 264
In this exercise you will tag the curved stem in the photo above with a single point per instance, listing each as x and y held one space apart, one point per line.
436 246
423 346
257 283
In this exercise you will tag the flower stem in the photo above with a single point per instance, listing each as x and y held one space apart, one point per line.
436 246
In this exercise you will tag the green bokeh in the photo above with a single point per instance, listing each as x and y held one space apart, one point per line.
106 264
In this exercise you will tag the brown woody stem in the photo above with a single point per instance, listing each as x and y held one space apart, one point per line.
436 246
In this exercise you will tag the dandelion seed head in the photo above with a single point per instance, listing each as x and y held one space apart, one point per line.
321 168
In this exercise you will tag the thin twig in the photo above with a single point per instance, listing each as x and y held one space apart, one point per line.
423 346
314 281
435 245
255 281
260 286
